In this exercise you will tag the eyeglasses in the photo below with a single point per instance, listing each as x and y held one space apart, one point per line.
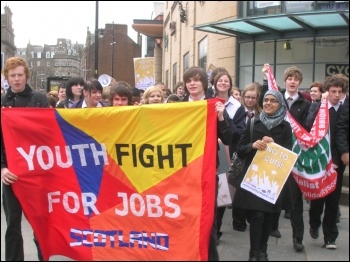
250 97
273 101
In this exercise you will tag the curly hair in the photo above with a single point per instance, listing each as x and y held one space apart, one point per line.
14 62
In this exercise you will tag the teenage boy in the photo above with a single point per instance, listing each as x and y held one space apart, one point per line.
19 94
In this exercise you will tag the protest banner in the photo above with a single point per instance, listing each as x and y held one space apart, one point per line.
144 72
313 170
269 171
116 183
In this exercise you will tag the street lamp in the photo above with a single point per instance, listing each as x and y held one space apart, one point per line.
112 44
96 41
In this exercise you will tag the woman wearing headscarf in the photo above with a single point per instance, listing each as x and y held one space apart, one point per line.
269 126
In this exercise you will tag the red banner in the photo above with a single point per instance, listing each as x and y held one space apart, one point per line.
313 171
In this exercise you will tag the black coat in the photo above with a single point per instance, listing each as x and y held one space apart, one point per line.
299 109
342 129
333 118
237 125
282 135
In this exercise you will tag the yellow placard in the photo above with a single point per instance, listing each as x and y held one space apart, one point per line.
144 72
269 171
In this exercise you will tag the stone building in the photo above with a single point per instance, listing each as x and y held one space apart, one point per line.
60 60
8 47
243 35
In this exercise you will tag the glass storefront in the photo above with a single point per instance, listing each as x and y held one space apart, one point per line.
262 8
317 58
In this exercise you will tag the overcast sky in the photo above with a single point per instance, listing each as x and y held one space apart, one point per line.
42 22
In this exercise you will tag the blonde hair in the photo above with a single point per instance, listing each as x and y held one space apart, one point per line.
252 87
151 90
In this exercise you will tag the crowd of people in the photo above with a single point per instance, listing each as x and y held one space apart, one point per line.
236 108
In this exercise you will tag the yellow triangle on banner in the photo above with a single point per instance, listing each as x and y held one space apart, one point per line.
138 137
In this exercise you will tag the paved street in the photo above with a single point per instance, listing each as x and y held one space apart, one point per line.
235 245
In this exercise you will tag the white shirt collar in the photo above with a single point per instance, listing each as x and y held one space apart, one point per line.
84 105
232 106
191 100
336 107
295 97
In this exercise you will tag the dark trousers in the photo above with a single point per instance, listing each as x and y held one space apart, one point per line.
275 221
14 250
13 235
330 203
296 216
220 211
259 230
239 218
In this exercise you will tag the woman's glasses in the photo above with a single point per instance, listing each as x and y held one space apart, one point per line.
273 101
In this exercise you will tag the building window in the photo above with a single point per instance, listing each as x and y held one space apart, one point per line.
202 53
47 54
186 61
174 74
48 63
39 54
37 63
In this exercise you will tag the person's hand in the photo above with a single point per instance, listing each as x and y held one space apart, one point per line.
219 109
345 158
264 70
259 145
324 95
8 177
267 139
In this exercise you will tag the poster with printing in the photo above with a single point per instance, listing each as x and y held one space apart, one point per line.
116 183
269 171
144 72
211 68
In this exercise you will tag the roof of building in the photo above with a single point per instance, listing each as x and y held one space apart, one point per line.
282 26
151 28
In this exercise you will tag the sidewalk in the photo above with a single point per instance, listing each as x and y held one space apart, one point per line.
234 245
